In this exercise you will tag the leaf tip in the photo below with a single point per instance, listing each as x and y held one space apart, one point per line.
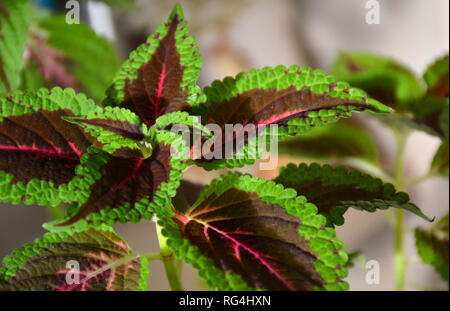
177 12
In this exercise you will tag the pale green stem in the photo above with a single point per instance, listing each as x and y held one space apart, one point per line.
368 167
400 261
420 179
168 258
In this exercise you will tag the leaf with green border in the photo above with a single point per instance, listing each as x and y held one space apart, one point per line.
14 22
437 77
295 99
160 76
93 260
249 233
432 246
114 128
335 141
382 78
40 153
334 190
126 188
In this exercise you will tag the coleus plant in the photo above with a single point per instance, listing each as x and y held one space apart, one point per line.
113 163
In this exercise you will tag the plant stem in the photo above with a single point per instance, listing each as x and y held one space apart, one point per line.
368 167
168 258
400 261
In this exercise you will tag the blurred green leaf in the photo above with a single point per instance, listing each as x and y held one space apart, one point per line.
91 58
382 78
432 246
437 77
335 141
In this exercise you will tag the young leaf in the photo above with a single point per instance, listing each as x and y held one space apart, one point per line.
14 22
333 191
335 141
432 246
126 188
246 232
105 263
383 79
437 77
91 59
40 153
160 75
113 127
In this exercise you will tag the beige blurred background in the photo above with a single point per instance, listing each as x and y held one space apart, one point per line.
236 36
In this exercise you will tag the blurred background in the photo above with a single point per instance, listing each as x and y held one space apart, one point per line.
237 35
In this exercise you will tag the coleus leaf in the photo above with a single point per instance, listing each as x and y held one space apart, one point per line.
440 162
437 77
14 22
333 191
432 246
114 128
106 263
335 141
40 153
382 78
297 99
160 75
249 233
126 186
90 59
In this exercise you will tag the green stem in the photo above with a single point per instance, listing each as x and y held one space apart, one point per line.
168 258
368 167
400 260
420 179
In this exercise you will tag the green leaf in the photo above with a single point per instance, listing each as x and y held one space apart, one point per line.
382 78
296 99
335 141
14 22
437 77
40 153
32 79
121 4
432 246
443 123
249 233
440 163
90 58
113 127
160 76
106 263
333 191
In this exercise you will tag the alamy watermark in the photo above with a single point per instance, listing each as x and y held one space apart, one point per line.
373 12
373 272
73 13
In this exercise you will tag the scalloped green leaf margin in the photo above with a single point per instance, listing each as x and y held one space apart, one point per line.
322 240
